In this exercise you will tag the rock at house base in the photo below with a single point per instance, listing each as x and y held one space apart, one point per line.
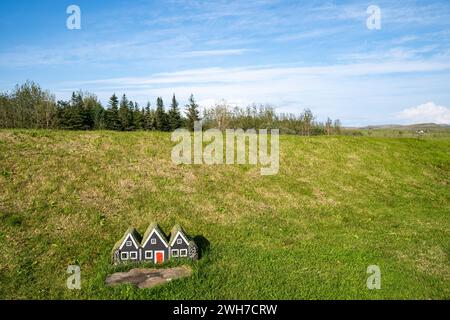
148 278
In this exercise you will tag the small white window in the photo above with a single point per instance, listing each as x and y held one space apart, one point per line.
183 253
128 243
124 255
174 252
179 241
153 241
133 255
148 254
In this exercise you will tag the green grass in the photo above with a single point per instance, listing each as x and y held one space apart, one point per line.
429 131
338 205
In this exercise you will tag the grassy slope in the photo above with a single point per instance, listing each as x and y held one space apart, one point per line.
338 205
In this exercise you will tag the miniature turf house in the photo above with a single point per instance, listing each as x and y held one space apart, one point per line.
128 248
181 245
153 246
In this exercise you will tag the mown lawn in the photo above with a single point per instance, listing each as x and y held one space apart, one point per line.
338 205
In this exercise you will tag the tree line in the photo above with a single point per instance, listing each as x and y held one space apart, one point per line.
222 116
29 106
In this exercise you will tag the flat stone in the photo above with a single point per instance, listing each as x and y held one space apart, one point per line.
148 278
151 282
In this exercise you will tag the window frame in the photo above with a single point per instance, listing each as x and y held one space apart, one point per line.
175 251
148 254
152 241
185 252
136 255
122 254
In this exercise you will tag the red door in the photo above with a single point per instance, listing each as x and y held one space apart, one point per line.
159 257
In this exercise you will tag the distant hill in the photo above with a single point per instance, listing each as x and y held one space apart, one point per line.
410 126
398 130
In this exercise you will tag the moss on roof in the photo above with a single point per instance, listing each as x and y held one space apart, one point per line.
141 240
149 230
133 232
178 228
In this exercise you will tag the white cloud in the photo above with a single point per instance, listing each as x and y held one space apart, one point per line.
426 113
404 40
273 73
214 53
305 35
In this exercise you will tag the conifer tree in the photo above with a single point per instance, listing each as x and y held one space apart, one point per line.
137 117
89 104
192 113
96 112
143 119
131 126
174 115
160 116
124 113
62 108
150 123
112 114
147 119
75 115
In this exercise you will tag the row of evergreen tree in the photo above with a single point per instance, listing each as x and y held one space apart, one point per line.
85 112
28 106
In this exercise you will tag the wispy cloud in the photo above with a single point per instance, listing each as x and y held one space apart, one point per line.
311 34
215 53
256 73
392 54
404 39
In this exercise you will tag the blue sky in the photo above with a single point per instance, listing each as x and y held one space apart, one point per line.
291 54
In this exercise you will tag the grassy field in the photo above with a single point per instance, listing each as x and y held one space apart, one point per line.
338 205
423 131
